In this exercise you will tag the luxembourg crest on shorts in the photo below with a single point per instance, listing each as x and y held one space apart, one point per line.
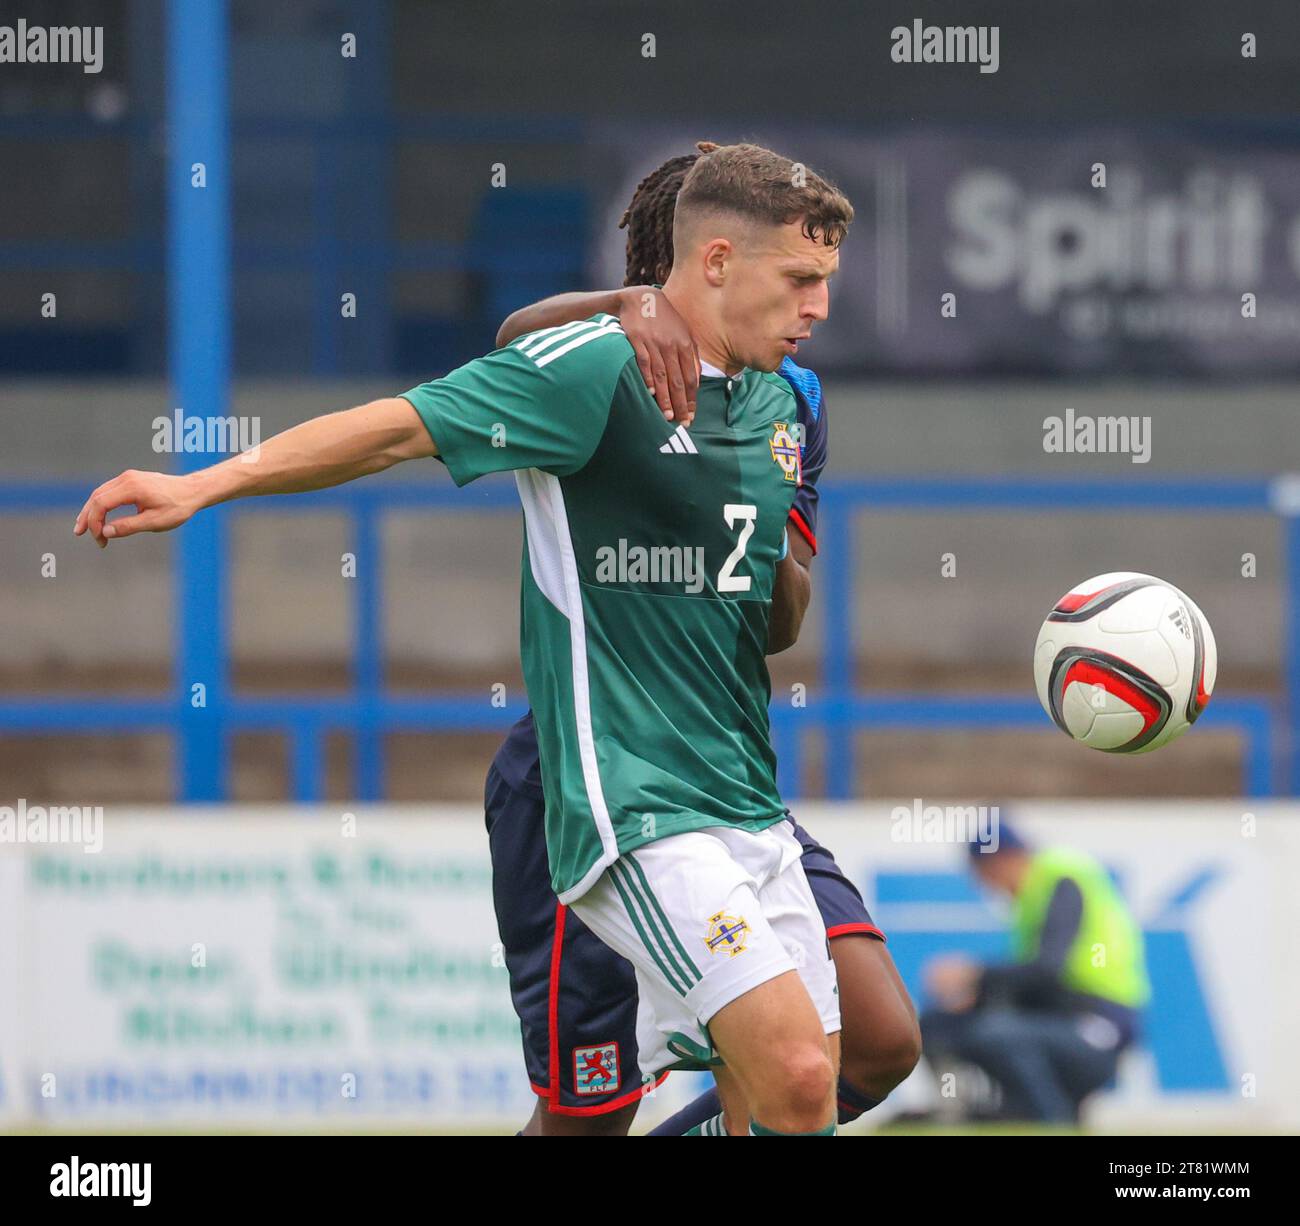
785 451
727 934
595 1068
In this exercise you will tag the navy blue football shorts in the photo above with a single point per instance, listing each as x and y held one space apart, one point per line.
575 997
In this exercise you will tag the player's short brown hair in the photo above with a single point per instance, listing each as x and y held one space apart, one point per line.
756 184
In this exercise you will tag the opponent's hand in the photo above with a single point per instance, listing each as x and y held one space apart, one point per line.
665 352
162 502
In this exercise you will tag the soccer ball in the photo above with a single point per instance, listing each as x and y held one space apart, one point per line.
1125 663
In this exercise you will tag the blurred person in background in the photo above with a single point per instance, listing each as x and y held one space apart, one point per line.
1049 1026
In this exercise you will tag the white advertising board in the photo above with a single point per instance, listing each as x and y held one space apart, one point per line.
273 966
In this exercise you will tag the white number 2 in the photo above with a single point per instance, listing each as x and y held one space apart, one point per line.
747 514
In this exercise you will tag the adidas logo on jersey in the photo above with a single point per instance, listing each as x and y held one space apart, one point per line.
680 442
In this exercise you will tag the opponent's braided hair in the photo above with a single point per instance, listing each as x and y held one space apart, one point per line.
648 219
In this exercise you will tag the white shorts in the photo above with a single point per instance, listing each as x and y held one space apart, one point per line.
705 917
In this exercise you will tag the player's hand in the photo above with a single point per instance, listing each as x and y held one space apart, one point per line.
665 352
162 502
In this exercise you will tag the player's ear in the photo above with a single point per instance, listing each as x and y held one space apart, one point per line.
717 256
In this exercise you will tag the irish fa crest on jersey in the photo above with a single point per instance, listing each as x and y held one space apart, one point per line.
727 934
785 451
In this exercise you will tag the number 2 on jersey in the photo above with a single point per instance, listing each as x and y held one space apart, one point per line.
746 513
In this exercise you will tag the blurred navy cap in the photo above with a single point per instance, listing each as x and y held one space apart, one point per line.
1004 839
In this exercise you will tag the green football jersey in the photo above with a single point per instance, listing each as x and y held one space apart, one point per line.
649 559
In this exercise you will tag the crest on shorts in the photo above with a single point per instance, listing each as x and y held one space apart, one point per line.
595 1068
727 934
785 451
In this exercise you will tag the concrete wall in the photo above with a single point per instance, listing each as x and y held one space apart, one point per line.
452 578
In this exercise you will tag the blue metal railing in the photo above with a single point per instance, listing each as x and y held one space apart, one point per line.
837 710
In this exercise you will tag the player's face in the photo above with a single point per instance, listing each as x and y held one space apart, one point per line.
997 872
775 292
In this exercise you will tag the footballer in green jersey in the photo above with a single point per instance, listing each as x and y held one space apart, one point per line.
649 558
646 590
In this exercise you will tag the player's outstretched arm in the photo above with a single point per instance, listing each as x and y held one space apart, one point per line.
322 452
665 351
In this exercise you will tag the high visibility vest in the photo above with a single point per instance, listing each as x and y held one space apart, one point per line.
1106 957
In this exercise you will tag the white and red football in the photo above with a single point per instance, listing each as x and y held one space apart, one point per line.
1125 663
